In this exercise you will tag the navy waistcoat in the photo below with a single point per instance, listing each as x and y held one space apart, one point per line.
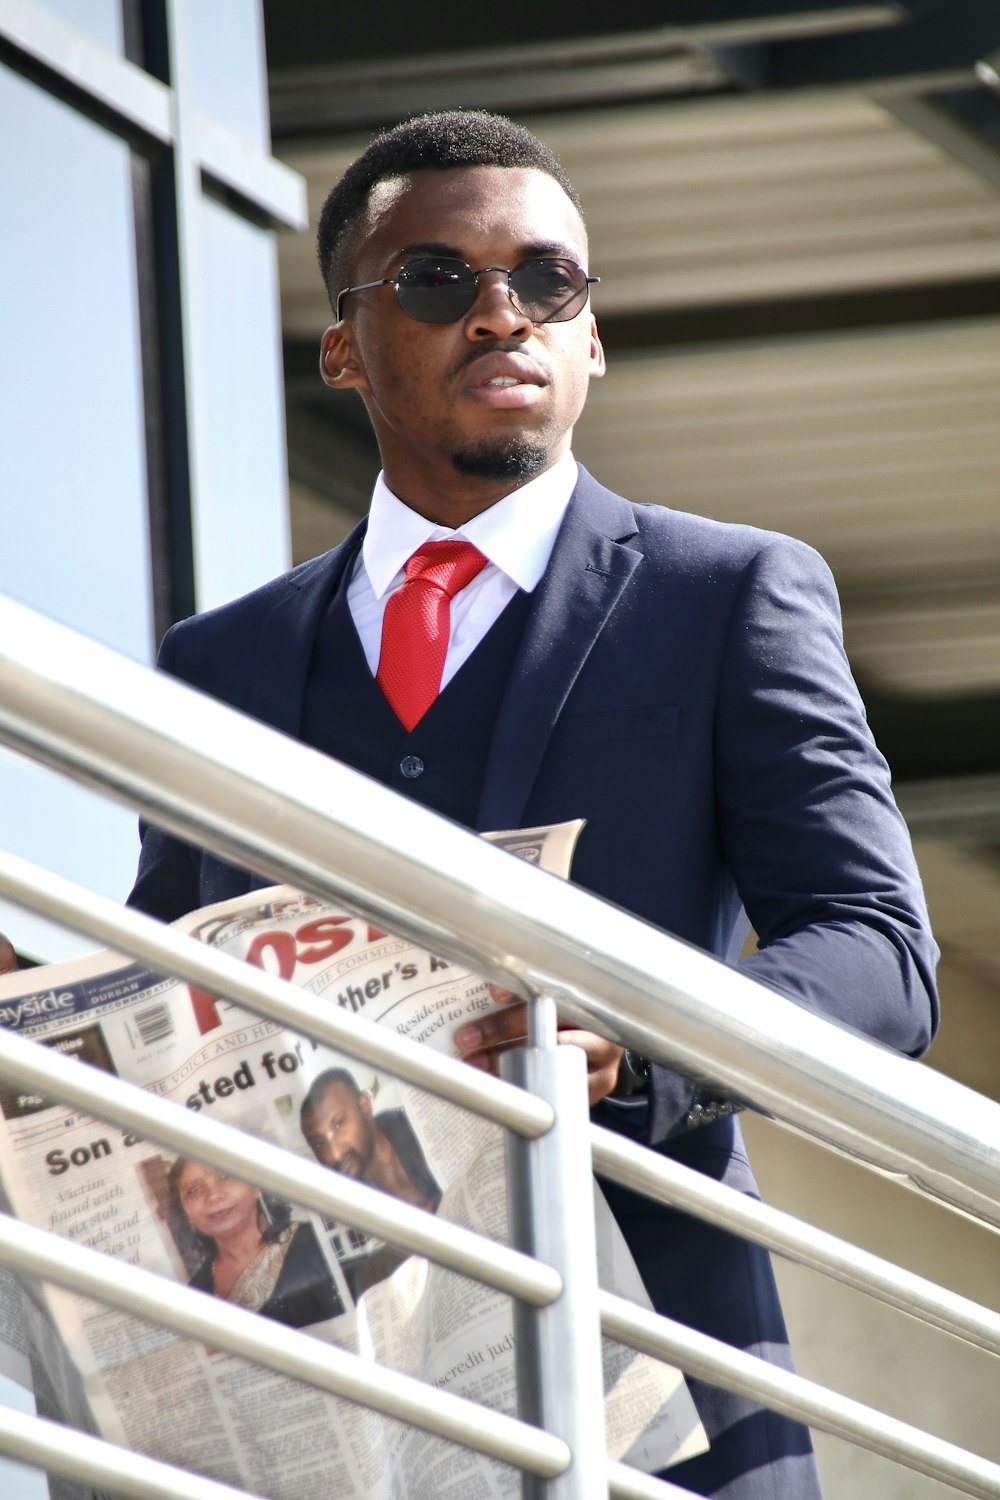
442 761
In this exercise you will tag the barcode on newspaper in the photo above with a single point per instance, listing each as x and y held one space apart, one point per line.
154 1023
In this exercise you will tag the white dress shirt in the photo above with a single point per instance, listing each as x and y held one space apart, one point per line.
516 535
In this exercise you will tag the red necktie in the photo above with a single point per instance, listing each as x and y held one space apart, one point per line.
416 625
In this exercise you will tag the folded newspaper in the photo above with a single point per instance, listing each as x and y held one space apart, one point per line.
209 1411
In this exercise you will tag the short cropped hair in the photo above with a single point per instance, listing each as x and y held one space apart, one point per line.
324 1081
434 142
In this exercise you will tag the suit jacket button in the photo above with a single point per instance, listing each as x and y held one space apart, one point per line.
411 766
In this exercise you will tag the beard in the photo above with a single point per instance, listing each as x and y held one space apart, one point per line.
507 458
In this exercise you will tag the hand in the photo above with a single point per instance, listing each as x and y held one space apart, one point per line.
481 1042
8 958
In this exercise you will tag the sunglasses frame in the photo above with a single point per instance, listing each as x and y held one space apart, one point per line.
394 281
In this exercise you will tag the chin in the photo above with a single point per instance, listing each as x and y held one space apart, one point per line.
511 458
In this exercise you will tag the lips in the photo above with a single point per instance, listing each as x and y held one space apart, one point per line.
504 381
219 1218
504 371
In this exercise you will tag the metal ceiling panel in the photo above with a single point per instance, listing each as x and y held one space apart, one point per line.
763 196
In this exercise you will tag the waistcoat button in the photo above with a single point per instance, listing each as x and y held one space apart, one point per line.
411 766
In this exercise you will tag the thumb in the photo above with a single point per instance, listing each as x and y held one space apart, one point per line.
8 958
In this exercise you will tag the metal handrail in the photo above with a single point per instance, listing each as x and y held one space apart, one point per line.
166 950
278 806
31 1251
28 1250
797 1397
681 1187
37 1252
89 1460
80 708
54 1075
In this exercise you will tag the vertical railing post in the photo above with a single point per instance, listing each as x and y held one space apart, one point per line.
560 1385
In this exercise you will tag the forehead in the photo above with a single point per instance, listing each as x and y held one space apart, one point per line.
336 1096
194 1171
481 213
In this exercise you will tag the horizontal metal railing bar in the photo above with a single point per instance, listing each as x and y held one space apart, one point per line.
681 1187
30 1065
90 1461
201 770
794 1396
29 1251
824 1409
168 951
45 1445
626 1483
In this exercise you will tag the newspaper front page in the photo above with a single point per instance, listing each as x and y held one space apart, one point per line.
200 1407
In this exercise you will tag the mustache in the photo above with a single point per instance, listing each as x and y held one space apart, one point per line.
349 1164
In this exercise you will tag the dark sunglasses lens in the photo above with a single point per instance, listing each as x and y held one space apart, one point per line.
548 290
436 291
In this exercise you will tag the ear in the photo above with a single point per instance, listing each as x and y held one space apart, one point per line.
339 362
365 1104
597 364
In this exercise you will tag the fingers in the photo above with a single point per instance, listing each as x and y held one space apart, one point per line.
8 958
602 1057
482 1042
502 996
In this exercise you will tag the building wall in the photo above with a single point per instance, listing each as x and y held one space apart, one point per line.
141 425
852 1343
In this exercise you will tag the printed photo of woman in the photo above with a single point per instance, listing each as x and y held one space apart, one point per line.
242 1245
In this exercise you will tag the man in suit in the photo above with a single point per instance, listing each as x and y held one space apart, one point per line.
678 683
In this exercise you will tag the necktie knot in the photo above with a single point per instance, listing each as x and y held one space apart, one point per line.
417 624
447 566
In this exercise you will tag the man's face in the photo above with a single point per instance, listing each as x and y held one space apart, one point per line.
340 1131
439 395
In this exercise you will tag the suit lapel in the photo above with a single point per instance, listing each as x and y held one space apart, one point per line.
287 635
586 576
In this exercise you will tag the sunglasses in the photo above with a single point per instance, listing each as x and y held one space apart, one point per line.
440 289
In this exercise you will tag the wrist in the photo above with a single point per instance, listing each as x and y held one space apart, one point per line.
633 1076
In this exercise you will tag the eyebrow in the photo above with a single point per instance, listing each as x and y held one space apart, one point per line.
429 247
533 251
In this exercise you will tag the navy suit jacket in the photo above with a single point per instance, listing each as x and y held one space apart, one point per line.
681 684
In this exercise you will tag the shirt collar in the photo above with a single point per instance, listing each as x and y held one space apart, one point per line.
516 534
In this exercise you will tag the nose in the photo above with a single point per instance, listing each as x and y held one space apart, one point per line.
326 1152
493 314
